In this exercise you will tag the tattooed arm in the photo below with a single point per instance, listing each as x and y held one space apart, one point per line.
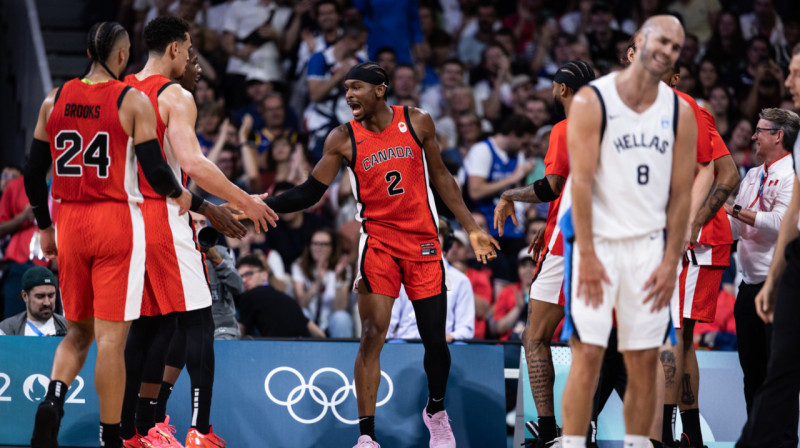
724 184
543 190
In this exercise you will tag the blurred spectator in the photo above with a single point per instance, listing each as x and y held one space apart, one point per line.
760 82
521 92
293 231
460 102
534 226
522 23
764 21
434 98
283 163
686 81
537 111
256 244
23 251
273 115
559 55
460 302
326 70
472 44
538 50
493 90
698 16
205 93
740 146
386 57
10 172
322 282
328 15
756 216
209 124
253 38
223 280
690 51
721 106
458 255
580 20
508 314
603 37
393 24
707 77
496 164
39 295
267 311
404 84
726 44
257 87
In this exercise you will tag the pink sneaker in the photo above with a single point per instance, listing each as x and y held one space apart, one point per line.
439 426
366 441
163 435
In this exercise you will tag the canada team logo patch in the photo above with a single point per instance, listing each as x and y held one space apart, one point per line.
402 126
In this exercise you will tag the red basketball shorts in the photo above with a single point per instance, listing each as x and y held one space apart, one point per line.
382 273
101 259
698 289
176 277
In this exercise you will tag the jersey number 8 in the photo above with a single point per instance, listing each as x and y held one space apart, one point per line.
96 154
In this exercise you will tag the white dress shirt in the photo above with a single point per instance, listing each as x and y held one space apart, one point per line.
757 242
460 310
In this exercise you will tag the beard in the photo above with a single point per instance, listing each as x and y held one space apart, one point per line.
559 106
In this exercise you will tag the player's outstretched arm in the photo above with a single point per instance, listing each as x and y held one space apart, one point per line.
182 114
583 144
684 157
546 189
484 246
337 146
138 119
35 177
765 299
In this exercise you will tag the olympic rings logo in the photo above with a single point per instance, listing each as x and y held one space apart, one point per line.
318 395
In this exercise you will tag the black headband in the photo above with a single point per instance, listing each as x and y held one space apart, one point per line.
369 76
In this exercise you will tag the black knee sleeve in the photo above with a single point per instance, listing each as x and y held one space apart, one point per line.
176 356
431 321
153 370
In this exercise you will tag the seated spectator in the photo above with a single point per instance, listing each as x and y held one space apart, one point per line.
209 125
294 229
459 255
223 280
256 244
10 172
460 302
273 116
404 84
603 37
434 98
39 318
707 77
509 312
720 104
322 281
267 312
537 110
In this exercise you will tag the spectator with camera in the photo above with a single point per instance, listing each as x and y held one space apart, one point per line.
39 290
223 279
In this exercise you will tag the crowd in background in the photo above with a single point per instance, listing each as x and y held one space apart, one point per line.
271 90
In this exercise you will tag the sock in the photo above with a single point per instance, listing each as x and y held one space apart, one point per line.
109 435
163 396
632 441
573 441
592 436
691 426
57 393
145 414
201 409
434 406
547 428
656 444
367 426
668 423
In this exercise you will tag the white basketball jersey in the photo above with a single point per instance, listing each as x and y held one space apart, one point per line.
632 181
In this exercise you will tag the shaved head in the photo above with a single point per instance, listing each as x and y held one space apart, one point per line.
658 44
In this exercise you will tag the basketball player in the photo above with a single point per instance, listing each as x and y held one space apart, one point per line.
631 142
708 254
546 307
774 409
175 280
393 158
83 130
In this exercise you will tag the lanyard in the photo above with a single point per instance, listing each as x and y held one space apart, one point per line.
764 177
35 330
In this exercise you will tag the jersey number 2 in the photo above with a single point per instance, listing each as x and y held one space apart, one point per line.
394 178
96 154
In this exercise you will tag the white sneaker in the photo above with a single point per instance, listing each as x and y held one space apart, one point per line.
439 426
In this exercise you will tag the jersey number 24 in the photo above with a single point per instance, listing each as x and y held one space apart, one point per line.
96 154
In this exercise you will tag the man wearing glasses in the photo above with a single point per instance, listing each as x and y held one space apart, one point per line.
755 217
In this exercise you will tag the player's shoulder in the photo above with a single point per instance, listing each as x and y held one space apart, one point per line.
339 138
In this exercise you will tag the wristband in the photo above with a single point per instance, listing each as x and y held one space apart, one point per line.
197 202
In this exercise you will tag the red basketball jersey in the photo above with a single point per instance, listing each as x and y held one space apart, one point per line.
152 86
392 189
556 161
92 160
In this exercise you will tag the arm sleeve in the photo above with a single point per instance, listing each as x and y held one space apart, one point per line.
35 175
155 169
463 311
298 198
